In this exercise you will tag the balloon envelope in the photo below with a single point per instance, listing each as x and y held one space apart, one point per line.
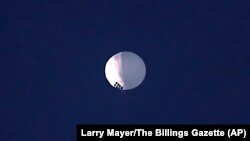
125 70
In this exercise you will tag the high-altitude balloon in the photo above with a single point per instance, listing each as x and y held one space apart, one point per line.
125 70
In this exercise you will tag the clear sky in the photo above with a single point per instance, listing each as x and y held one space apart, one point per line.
53 54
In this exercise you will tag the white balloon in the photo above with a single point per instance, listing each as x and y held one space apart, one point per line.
125 70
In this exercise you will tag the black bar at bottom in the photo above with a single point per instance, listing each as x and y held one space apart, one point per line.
180 132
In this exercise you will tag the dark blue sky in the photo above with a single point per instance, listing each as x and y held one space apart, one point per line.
53 53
